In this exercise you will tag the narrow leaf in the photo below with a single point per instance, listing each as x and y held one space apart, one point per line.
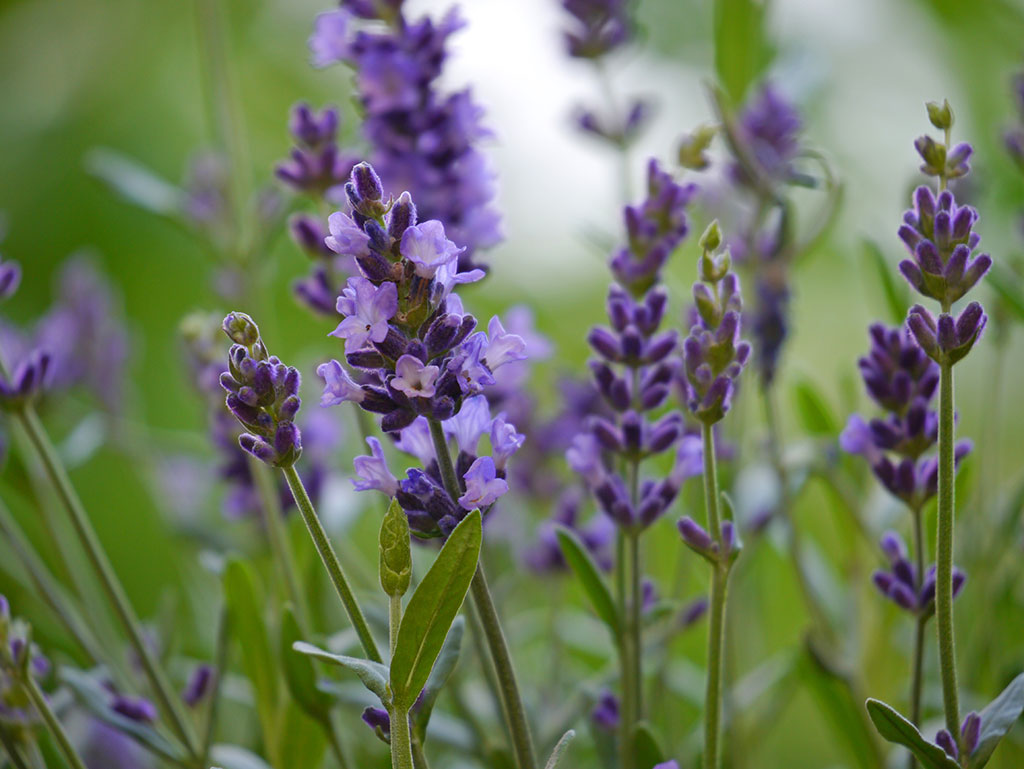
741 52
245 612
895 728
586 571
996 720
897 294
299 675
432 610
812 407
646 747
373 674
443 668
134 182
560 748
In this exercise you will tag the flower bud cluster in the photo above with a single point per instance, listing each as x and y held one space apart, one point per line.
263 395
713 355
635 368
901 583
941 238
902 379
19 658
418 356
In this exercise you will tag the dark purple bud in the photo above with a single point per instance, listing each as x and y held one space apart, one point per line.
402 216
893 546
134 708
694 534
198 685
366 182
693 613
606 712
378 720
605 343
258 447
970 732
945 741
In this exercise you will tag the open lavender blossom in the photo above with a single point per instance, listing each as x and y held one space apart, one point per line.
416 356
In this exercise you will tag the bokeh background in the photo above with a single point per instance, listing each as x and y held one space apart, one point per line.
80 75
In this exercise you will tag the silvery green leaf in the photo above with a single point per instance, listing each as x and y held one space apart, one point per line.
373 674
559 750
996 720
895 728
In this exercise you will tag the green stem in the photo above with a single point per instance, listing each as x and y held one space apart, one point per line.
11 748
716 623
508 687
331 563
401 742
167 698
944 553
278 538
59 735
395 619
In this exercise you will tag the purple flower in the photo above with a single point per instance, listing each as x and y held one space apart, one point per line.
10 278
426 246
483 487
502 347
413 378
199 684
415 439
346 237
134 708
328 43
505 441
768 134
373 471
600 26
606 712
338 385
367 309
472 421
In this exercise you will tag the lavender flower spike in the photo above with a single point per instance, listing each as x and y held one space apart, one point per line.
263 395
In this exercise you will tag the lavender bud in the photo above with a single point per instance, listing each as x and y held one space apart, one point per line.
970 732
241 329
945 741
694 535
367 183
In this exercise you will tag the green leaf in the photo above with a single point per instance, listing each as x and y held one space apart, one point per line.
813 409
302 741
373 674
245 612
895 728
395 552
897 293
560 748
996 720
443 668
299 675
647 750
95 698
741 52
432 610
586 571
134 182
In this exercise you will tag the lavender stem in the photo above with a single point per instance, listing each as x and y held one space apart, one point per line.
944 550
168 699
52 723
508 687
331 563
719 592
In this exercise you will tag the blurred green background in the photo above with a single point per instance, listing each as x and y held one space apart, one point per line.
80 74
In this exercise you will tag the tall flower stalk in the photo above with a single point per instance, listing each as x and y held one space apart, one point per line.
713 358
634 371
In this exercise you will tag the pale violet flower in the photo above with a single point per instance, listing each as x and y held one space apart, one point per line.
338 385
346 238
329 42
373 471
472 421
483 486
502 347
505 441
426 246
367 309
415 439
413 378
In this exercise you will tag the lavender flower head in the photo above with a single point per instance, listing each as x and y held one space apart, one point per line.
940 236
599 27
902 584
416 357
767 138
634 368
713 355
901 378
422 139
263 395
